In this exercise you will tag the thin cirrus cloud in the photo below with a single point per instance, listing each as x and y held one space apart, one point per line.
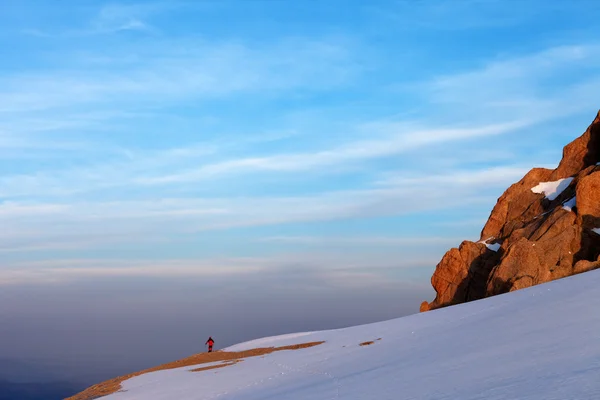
88 225
111 19
132 172
360 241
170 72
59 271
218 213
354 152
495 176
520 86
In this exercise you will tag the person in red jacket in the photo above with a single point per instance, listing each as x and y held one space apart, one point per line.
210 343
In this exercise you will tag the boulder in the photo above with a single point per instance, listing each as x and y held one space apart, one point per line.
459 275
518 203
585 266
580 153
541 240
588 200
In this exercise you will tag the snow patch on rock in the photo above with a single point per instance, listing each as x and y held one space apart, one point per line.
493 247
597 230
552 189
570 204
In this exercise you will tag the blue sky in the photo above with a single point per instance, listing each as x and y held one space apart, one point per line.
356 141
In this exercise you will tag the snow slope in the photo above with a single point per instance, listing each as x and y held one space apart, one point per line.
541 343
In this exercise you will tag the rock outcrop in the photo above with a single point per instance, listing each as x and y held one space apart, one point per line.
544 227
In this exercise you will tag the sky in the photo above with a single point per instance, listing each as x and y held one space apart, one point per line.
256 155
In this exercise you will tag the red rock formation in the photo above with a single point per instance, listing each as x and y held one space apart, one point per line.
536 238
588 200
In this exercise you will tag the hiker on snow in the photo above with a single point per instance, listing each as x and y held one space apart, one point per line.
210 343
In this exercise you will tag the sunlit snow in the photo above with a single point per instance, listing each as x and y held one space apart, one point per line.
552 189
539 343
267 342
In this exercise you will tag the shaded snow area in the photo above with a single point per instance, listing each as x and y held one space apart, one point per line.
493 247
570 204
597 230
540 343
552 189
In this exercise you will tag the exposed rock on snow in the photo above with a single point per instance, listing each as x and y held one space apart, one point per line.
543 237
588 200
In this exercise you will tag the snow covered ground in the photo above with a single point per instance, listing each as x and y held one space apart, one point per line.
541 343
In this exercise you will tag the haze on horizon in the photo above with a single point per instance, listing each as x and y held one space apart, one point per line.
171 170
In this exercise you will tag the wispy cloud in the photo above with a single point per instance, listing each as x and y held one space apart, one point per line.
521 86
136 134
332 266
121 17
112 18
193 215
387 192
480 178
392 143
145 168
93 224
174 71
58 271
394 139
370 241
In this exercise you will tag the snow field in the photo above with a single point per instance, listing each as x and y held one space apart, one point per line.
541 343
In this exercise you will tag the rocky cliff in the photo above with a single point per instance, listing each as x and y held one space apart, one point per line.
544 227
